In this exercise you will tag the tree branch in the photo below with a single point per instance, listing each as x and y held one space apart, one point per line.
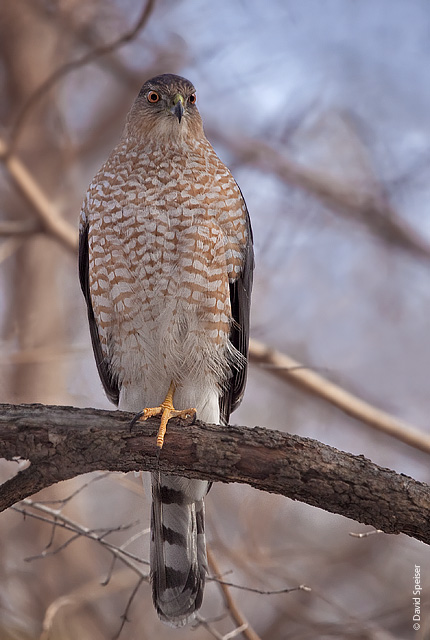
47 213
72 65
372 209
235 612
284 367
63 442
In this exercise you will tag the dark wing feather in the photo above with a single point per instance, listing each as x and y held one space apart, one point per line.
240 299
110 382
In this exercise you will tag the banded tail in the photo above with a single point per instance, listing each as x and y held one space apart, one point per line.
178 548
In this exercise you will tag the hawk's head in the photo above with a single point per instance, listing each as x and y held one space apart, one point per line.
166 109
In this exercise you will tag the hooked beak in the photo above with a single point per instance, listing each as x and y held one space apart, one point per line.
178 106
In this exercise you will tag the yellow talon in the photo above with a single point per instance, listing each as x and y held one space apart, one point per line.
167 411
163 426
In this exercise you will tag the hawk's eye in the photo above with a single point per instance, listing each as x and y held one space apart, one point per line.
192 99
153 97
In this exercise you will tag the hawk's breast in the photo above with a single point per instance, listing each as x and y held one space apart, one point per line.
167 235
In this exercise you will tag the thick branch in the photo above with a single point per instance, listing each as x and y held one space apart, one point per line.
63 442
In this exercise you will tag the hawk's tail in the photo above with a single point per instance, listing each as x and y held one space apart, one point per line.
178 549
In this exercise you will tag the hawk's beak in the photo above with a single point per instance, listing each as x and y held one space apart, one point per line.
178 106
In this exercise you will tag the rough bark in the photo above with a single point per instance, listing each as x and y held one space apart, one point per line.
63 442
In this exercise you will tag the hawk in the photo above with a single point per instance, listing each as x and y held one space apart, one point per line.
165 265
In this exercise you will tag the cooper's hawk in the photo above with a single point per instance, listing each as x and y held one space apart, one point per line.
166 264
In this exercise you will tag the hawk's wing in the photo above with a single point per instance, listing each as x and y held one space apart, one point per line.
240 299
110 381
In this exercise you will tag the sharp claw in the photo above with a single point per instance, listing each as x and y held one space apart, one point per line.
135 420
167 411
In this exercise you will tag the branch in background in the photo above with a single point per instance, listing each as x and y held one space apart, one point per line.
284 367
13 228
10 246
63 442
47 213
57 519
62 71
40 511
371 209
230 603
88 591
49 218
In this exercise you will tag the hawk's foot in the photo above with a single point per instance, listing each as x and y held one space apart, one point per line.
167 411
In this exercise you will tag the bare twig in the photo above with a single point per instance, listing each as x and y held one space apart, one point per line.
83 594
124 617
62 71
55 517
58 519
9 247
284 367
18 228
273 592
371 209
47 213
207 625
230 603
244 628
227 636
63 501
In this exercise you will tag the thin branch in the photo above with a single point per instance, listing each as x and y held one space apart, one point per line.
63 442
55 517
18 228
274 592
207 625
230 603
284 367
9 247
108 578
85 593
124 617
66 68
63 501
58 519
48 215
371 209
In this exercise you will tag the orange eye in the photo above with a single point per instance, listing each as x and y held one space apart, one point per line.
153 97
192 99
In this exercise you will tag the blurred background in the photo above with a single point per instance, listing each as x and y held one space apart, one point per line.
322 111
